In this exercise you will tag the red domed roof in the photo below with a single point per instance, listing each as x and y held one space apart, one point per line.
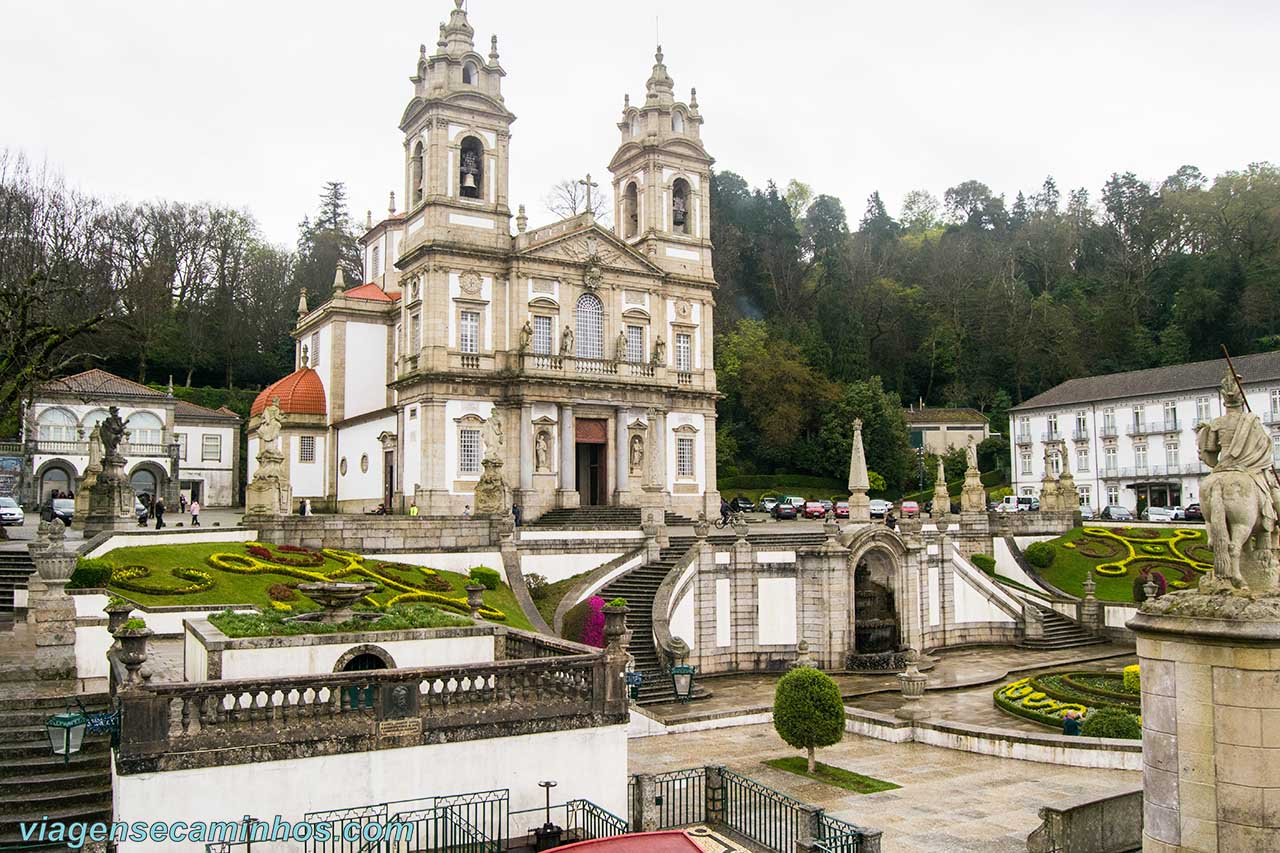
300 393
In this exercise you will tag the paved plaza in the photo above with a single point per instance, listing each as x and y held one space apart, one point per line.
949 800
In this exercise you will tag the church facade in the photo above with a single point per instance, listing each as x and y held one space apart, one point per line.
591 347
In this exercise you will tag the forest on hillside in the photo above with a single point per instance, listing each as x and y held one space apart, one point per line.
972 299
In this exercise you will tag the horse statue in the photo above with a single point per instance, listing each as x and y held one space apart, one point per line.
1241 496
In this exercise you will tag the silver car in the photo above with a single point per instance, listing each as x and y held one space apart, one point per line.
879 507
10 513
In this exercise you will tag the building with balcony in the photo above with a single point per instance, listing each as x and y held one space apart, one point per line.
1130 437
171 446
940 431
588 345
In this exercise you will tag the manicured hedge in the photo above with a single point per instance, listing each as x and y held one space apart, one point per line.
1109 722
1040 554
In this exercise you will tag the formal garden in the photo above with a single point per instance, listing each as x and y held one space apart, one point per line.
1109 702
268 577
1115 556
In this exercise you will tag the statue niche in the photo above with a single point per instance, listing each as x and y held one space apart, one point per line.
875 616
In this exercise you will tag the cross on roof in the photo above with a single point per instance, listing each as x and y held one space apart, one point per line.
589 184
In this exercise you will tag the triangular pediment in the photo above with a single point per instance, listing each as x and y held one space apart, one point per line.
581 242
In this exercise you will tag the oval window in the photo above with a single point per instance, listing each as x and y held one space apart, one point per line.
342 466
364 463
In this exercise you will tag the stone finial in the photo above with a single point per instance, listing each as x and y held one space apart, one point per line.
368 219
693 99
302 303
391 204
493 50
339 281
626 101
169 390
522 221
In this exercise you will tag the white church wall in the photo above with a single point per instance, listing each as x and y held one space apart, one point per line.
251 457
589 764
682 620
776 611
453 410
724 613
366 360
307 478
320 358
359 445
972 605
217 475
557 567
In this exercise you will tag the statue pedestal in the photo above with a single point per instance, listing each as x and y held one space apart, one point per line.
491 490
941 500
268 496
973 497
111 502
1210 706
859 507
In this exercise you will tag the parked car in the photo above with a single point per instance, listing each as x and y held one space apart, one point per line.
1115 512
814 509
784 509
829 506
742 503
795 500
10 512
767 503
1086 512
1193 513
61 508
910 509
1007 504
1178 513
1157 513
879 507
842 509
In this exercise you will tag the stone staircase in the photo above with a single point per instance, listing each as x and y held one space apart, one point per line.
15 568
599 518
1060 632
638 587
35 784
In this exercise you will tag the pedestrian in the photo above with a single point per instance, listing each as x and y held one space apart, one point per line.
413 510
1071 723
182 502
1140 585
889 521
517 513
466 511
195 512
158 508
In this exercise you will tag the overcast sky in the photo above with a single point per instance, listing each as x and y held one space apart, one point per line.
256 104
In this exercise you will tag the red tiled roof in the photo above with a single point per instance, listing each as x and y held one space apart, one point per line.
183 409
96 381
369 291
669 841
300 393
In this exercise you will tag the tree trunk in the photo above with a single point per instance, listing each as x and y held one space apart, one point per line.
811 761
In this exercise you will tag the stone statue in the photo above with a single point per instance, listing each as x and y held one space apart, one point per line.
566 341
971 453
973 495
269 424
620 348
269 492
941 495
659 351
541 452
111 431
526 336
637 453
493 439
1241 495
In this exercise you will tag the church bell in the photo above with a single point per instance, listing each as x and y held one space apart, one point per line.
469 181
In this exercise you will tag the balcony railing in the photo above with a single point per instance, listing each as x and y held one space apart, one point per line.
683 378
470 362
1051 436
1023 438
545 361
603 369
1108 431
127 449
1080 435
1154 427
601 366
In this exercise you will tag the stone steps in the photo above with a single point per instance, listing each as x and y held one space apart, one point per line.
1060 632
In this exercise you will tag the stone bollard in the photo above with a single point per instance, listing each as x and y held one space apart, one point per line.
1090 611
715 794
1210 707
809 828
50 610
650 817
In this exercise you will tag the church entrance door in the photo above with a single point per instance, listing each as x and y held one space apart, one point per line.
592 460
388 478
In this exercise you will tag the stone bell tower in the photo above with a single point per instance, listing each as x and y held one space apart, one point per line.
662 179
456 142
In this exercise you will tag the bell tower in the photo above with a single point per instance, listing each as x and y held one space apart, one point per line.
457 133
662 179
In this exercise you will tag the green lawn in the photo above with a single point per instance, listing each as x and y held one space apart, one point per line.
838 776
549 599
1070 566
235 588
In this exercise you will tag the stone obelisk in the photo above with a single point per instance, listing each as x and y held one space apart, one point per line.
859 482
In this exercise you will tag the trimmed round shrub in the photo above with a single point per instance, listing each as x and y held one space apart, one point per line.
1132 679
807 710
90 574
1111 722
486 577
1040 554
984 562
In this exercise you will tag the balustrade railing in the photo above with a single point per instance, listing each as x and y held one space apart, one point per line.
640 368
540 361
596 365
683 378
469 362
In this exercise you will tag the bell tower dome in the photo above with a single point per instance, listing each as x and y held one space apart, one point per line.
457 133
662 178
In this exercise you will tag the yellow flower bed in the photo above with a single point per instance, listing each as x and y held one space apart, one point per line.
1022 699
1119 568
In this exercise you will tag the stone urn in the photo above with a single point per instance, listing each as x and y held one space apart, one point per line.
475 598
133 649
337 598
117 614
615 623
54 566
739 527
702 527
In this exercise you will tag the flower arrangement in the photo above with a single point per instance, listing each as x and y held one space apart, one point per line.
281 607
133 578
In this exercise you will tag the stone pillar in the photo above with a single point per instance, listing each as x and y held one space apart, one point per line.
660 442
808 828
51 611
1032 622
1210 721
711 502
714 808
649 818
1090 611
568 458
621 455
436 500
526 449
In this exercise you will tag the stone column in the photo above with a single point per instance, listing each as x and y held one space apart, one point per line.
808 828
622 454
434 476
51 611
650 817
1090 611
660 442
1210 721
568 458
526 449
711 501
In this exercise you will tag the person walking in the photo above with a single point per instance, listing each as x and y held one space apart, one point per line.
195 512
158 507
517 513
889 521
182 503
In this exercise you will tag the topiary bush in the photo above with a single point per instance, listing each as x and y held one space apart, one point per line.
90 574
486 577
808 711
984 562
280 592
1132 679
1040 554
1111 722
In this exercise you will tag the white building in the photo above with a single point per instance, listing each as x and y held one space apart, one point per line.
1130 437
171 446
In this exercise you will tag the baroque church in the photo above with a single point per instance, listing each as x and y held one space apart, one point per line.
587 350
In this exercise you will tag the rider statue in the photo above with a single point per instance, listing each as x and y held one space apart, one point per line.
1241 497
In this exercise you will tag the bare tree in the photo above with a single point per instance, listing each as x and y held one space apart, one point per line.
569 198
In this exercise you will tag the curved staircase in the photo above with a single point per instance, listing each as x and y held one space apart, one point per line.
1060 632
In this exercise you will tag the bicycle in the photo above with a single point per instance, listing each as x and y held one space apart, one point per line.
721 524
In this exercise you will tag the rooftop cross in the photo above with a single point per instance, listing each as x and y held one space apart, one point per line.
589 184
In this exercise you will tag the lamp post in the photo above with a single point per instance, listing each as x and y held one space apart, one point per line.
66 733
682 682
548 836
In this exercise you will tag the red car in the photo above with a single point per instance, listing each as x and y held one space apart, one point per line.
814 509
842 509
910 509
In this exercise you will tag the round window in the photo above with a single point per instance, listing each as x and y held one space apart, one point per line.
342 466
364 463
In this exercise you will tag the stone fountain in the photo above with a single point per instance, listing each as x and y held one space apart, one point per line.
337 599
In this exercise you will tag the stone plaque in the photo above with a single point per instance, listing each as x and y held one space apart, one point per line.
408 727
399 701
633 297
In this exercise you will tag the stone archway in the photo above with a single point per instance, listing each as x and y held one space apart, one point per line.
879 592
54 474
364 657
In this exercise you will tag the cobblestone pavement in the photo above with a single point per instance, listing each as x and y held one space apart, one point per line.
949 800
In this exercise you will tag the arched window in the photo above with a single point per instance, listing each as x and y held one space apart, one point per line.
92 419
677 121
471 168
589 318
680 206
630 211
143 481
635 127
56 425
415 174
375 262
470 74
145 428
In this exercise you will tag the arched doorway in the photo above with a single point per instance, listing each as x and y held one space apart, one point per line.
363 662
144 483
876 628
55 477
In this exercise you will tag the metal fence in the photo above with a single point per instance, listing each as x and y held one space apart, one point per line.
840 836
767 817
680 797
465 823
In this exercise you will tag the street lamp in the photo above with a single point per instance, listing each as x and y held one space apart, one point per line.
682 682
66 733
547 836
